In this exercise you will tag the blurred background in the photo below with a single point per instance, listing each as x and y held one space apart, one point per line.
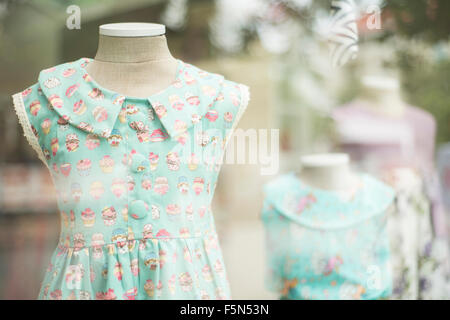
298 79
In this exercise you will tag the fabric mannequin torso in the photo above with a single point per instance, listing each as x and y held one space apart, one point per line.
133 66
327 171
383 95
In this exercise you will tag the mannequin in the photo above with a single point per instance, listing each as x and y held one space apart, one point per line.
383 94
328 171
133 59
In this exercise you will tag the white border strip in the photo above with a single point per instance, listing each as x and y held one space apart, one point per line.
21 113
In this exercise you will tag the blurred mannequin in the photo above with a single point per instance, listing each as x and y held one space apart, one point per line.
329 171
383 94
133 59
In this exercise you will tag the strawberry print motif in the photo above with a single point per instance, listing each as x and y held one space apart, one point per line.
133 182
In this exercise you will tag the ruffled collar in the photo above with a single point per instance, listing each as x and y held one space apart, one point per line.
323 209
83 103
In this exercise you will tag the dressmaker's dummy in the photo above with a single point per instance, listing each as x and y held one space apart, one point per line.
380 132
328 171
383 94
133 59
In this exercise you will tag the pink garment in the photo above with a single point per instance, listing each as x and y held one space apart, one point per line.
378 141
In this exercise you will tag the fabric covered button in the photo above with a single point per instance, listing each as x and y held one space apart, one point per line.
139 163
138 209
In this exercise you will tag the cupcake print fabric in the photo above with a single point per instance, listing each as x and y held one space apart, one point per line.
135 179
325 244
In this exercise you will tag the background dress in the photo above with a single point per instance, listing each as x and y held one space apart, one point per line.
325 244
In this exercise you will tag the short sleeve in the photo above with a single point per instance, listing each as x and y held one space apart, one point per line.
29 105
229 107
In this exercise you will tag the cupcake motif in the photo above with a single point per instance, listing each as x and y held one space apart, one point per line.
114 138
183 185
131 109
173 161
118 187
212 115
202 138
55 101
149 288
189 79
97 189
198 185
171 284
158 135
146 182
206 271
119 238
118 99
85 126
218 268
173 210
97 244
46 125
155 212
96 94
176 102
185 280
147 232
160 110
143 136
68 72
84 167
71 90
54 145
151 260
192 162
179 126
234 99
79 107
189 212
76 191
35 106
209 91
92 141
134 266
52 82
161 185
88 217
228 117
195 118
100 114
107 164
153 158
109 216
192 99
72 142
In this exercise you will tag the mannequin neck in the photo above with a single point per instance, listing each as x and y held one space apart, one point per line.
132 49
383 95
327 172
133 66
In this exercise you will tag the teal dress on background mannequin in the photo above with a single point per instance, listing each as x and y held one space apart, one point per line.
135 178
326 244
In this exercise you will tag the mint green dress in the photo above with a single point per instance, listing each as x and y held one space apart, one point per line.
326 244
134 178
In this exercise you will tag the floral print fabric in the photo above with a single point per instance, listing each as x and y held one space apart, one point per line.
325 244
135 179
420 260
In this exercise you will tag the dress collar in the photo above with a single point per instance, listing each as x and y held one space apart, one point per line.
327 210
83 103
